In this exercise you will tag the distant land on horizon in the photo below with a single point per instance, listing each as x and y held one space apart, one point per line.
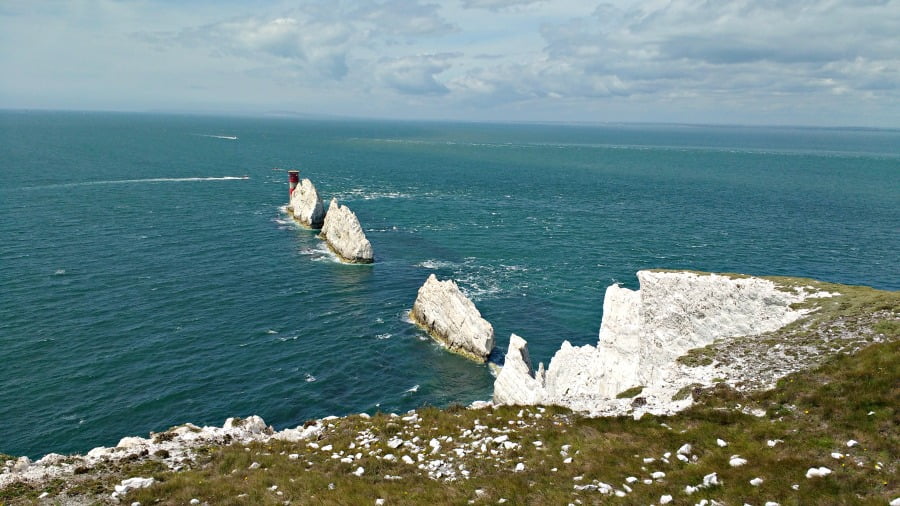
275 114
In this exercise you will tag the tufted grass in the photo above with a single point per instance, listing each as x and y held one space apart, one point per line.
813 414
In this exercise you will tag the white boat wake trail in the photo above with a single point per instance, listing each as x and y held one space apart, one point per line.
137 181
229 137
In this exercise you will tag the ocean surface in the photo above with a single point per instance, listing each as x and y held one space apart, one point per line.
149 276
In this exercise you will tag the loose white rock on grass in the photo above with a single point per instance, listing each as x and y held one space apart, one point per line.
737 461
817 472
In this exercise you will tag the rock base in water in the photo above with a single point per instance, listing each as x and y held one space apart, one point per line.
452 319
306 205
344 235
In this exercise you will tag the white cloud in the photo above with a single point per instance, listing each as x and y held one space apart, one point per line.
496 5
762 60
415 75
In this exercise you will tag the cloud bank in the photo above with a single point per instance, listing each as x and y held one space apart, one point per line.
764 61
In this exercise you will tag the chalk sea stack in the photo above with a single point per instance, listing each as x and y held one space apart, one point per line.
644 332
452 319
344 235
306 205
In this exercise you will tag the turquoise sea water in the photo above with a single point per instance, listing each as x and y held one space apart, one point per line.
145 283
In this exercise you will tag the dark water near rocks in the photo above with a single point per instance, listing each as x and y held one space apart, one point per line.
145 283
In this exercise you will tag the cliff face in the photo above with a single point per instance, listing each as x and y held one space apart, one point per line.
344 235
306 205
642 334
453 319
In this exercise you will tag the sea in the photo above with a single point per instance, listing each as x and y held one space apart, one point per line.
150 277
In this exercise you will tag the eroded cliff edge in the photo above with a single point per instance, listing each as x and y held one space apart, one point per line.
645 333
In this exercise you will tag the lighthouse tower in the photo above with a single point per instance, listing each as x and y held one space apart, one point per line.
294 180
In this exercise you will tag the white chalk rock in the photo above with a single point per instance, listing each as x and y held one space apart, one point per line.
344 235
21 465
132 483
644 331
517 383
306 205
253 424
452 319
819 472
129 443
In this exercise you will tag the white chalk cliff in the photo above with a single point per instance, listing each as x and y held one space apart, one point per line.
306 205
452 319
344 235
177 447
642 334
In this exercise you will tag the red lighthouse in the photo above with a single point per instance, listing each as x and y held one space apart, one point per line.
294 179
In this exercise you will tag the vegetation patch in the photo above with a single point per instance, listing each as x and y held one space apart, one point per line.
631 392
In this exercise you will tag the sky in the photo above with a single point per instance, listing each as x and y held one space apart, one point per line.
772 62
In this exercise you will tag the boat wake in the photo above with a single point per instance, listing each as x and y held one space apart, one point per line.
137 181
227 137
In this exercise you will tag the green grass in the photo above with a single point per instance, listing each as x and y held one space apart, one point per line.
813 413
631 392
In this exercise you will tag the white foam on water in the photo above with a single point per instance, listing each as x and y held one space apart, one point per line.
412 389
367 194
436 264
213 136
137 181
59 272
310 378
384 336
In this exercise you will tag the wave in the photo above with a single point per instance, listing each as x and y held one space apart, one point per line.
436 264
366 194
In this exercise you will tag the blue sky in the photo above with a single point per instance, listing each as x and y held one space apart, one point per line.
797 62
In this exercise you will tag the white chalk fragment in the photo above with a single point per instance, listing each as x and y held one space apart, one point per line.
359 471
819 472
852 443
658 475
666 499
721 443
837 455
685 449
520 467
756 481
737 461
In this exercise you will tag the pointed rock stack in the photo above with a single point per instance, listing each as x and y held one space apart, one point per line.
452 319
306 205
344 235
